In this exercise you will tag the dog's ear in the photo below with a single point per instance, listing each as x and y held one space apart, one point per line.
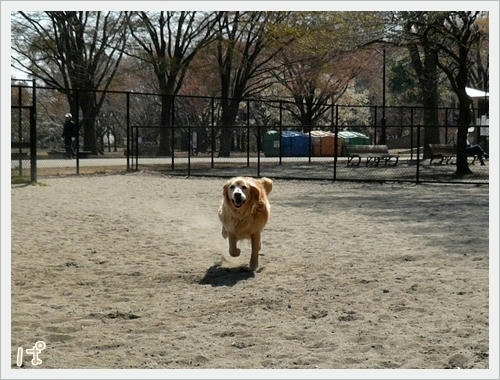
256 191
225 192
267 184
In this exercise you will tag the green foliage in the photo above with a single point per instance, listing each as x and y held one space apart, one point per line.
402 83
16 180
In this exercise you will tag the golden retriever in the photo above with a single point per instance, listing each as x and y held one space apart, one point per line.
244 212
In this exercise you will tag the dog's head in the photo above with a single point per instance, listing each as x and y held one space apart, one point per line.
240 192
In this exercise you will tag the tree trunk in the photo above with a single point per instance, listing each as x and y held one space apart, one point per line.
431 132
305 113
229 112
85 121
165 126
427 74
430 97
464 122
308 117
102 146
89 109
202 139
306 121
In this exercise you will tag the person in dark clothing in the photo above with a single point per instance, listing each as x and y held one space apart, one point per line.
69 135
475 149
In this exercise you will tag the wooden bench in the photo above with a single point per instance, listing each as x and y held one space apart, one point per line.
372 153
445 152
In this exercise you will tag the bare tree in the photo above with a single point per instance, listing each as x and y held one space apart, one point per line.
480 68
314 82
457 35
169 41
419 38
246 47
324 58
71 50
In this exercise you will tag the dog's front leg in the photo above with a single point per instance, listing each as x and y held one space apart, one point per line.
233 250
254 259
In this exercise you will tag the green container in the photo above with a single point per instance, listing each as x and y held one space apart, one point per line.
353 138
271 144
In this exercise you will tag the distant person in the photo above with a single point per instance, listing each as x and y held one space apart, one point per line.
475 149
195 143
69 135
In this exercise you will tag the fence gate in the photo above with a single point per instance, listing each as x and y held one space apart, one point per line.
23 132
23 142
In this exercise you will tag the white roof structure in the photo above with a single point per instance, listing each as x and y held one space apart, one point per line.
473 93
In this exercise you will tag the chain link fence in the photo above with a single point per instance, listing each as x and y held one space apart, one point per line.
210 136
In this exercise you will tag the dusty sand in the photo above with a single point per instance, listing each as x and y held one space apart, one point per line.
131 271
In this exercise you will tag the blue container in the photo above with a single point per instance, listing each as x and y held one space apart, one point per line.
294 144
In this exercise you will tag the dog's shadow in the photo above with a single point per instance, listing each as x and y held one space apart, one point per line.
217 275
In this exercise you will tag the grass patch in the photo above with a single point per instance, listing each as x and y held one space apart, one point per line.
18 179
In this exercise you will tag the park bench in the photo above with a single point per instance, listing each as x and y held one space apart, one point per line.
445 152
372 153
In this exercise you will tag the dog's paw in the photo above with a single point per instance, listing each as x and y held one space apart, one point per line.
253 267
235 253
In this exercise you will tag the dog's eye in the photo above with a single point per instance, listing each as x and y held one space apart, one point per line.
232 187
243 187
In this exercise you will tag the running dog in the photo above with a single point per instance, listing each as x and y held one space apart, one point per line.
244 212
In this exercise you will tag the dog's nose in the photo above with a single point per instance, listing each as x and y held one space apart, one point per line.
237 196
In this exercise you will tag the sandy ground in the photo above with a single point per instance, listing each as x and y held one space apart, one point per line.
130 271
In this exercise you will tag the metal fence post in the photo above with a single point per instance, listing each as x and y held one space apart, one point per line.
418 154
411 133
375 127
258 150
478 129
136 148
128 131
336 142
172 126
189 150
212 122
446 125
132 147
33 136
248 133
20 131
281 129
310 143
77 122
